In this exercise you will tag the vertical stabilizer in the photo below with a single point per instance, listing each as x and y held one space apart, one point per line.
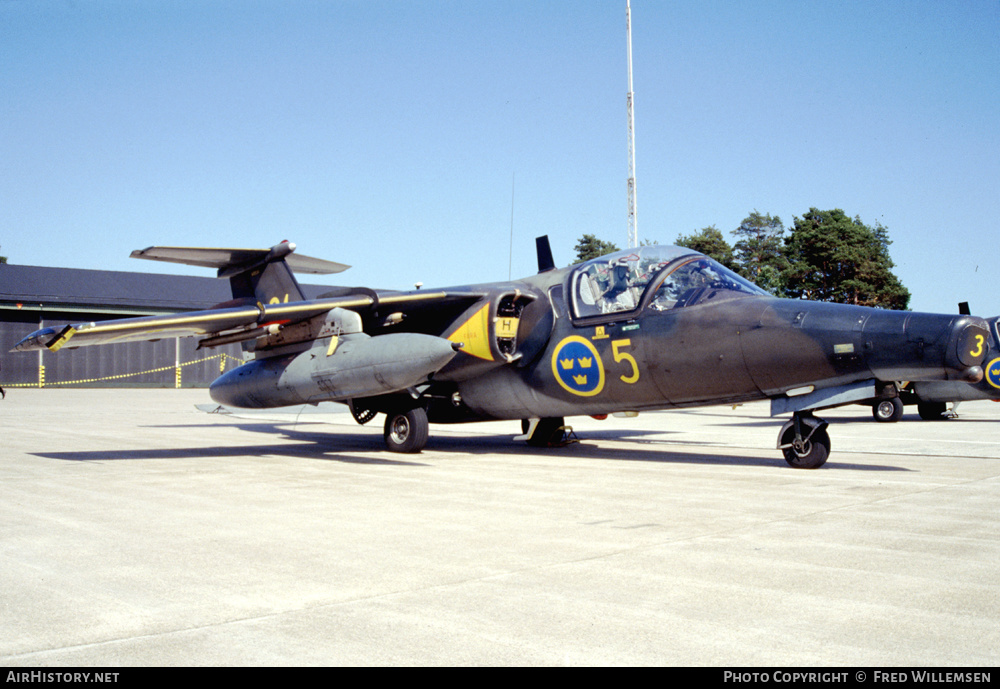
269 281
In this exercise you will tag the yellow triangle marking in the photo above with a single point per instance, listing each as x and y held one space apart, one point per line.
475 335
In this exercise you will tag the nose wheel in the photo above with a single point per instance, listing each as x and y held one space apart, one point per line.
804 441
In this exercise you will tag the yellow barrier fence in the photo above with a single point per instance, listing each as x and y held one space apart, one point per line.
177 376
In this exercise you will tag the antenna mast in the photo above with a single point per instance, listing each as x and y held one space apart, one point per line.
632 236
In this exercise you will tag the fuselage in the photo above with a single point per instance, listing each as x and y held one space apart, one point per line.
694 334
652 328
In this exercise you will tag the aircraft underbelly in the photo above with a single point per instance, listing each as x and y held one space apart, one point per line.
504 394
954 391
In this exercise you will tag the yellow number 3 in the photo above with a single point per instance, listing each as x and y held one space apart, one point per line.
978 351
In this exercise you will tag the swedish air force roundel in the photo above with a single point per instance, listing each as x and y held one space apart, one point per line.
577 366
993 373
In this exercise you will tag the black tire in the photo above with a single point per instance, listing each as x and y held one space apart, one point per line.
548 432
406 431
888 411
932 411
814 451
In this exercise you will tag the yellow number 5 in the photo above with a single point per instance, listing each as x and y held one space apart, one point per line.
625 356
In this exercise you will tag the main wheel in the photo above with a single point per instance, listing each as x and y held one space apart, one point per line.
932 411
547 432
406 431
812 452
888 411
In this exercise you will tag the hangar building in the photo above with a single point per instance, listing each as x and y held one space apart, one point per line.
33 297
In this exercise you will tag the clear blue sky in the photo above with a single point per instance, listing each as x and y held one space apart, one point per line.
387 134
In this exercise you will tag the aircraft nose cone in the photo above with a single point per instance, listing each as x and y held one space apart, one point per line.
925 346
970 344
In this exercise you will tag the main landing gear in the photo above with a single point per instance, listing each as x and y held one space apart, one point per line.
933 411
406 430
804 441
888 411
548 432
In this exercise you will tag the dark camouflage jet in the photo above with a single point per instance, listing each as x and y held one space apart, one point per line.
656 327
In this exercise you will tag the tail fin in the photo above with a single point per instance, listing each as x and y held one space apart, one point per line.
544 251
263 275
268 280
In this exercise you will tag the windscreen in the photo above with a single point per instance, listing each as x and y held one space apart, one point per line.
618 283
700 281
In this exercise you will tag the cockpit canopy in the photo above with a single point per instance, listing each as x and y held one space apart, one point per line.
652 277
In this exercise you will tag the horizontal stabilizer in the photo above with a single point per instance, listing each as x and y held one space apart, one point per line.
230 261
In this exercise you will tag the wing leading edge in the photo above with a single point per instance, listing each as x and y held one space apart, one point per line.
190 324
253 321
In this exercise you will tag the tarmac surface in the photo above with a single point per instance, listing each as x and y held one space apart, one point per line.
136 530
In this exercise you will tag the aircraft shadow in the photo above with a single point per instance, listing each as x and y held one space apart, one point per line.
330 446
311 445
640 451
835 421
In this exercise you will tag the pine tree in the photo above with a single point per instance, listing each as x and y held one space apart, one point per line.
589 246
709 241
834 258
759 251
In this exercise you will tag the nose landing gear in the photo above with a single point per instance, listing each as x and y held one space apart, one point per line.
804 441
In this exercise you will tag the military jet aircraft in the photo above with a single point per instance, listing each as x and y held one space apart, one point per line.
650 328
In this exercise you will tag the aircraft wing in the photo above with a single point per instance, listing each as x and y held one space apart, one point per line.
238 319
